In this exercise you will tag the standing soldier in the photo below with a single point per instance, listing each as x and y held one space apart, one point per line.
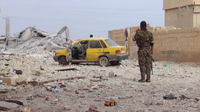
126 37
144 40
91 35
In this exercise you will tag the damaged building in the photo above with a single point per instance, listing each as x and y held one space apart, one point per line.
32 40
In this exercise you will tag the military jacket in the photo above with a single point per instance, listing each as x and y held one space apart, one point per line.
143 38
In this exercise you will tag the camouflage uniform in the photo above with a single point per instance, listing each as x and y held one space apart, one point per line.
144 40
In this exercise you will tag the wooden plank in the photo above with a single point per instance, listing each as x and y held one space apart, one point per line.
69 78
65 68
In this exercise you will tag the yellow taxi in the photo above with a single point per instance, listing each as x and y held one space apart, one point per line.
104 51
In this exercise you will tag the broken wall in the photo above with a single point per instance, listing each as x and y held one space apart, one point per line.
26 34
170 45
178 45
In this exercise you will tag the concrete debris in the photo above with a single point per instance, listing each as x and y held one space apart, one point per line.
161 29
93 108
9 80
67 107
32 40
111 74
7 106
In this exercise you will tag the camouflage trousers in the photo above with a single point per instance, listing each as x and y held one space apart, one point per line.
145 63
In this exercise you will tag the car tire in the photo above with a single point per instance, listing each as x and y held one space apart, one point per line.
103 61
111 104
115 103
114 62
62 60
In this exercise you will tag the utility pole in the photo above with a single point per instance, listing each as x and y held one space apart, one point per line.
7 30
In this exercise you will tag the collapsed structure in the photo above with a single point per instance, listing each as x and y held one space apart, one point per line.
32 40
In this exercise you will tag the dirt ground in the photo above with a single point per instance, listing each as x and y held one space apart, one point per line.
182 80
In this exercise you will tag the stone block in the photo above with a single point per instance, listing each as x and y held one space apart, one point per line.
9 80
21 79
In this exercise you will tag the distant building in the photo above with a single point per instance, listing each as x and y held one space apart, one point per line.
182 13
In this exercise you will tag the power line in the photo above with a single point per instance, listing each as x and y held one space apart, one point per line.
71 30
47 26
69 13
76 21
78 24
72 21
53 25
81 23
102 8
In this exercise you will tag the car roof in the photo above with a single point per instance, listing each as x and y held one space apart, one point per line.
93 39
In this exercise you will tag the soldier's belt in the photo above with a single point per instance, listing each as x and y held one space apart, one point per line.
141 48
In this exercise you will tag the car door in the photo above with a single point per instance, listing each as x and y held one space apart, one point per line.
75 51
94 50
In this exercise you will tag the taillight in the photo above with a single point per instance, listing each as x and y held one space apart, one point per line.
117 51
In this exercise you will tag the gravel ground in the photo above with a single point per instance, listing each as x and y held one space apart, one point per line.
78 95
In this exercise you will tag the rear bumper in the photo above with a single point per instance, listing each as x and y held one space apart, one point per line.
55 58
118 57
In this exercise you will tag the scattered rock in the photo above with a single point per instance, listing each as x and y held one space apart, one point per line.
90 90
67 107
93 108
168 97
111 74
37 73
183 97
18 72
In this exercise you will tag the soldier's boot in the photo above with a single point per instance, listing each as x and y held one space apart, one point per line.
147 80
141 80
142 71
148 72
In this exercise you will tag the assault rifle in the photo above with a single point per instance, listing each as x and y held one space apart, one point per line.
152 65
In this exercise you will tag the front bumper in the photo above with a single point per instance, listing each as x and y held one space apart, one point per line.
118 57
55 58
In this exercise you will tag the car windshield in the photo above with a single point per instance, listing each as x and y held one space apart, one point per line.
111 43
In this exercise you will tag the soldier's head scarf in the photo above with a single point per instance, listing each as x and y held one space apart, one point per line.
143 25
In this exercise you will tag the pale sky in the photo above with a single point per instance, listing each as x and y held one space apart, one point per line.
83 17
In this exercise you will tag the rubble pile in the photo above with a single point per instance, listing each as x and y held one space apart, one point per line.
35 41
41 84
39 45
161 29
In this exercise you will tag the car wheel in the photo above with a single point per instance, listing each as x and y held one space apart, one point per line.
115 103
114 62
103 61
111 104
62 60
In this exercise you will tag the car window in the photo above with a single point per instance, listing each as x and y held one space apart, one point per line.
103 44
111 42
77 46
95 44
85 45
